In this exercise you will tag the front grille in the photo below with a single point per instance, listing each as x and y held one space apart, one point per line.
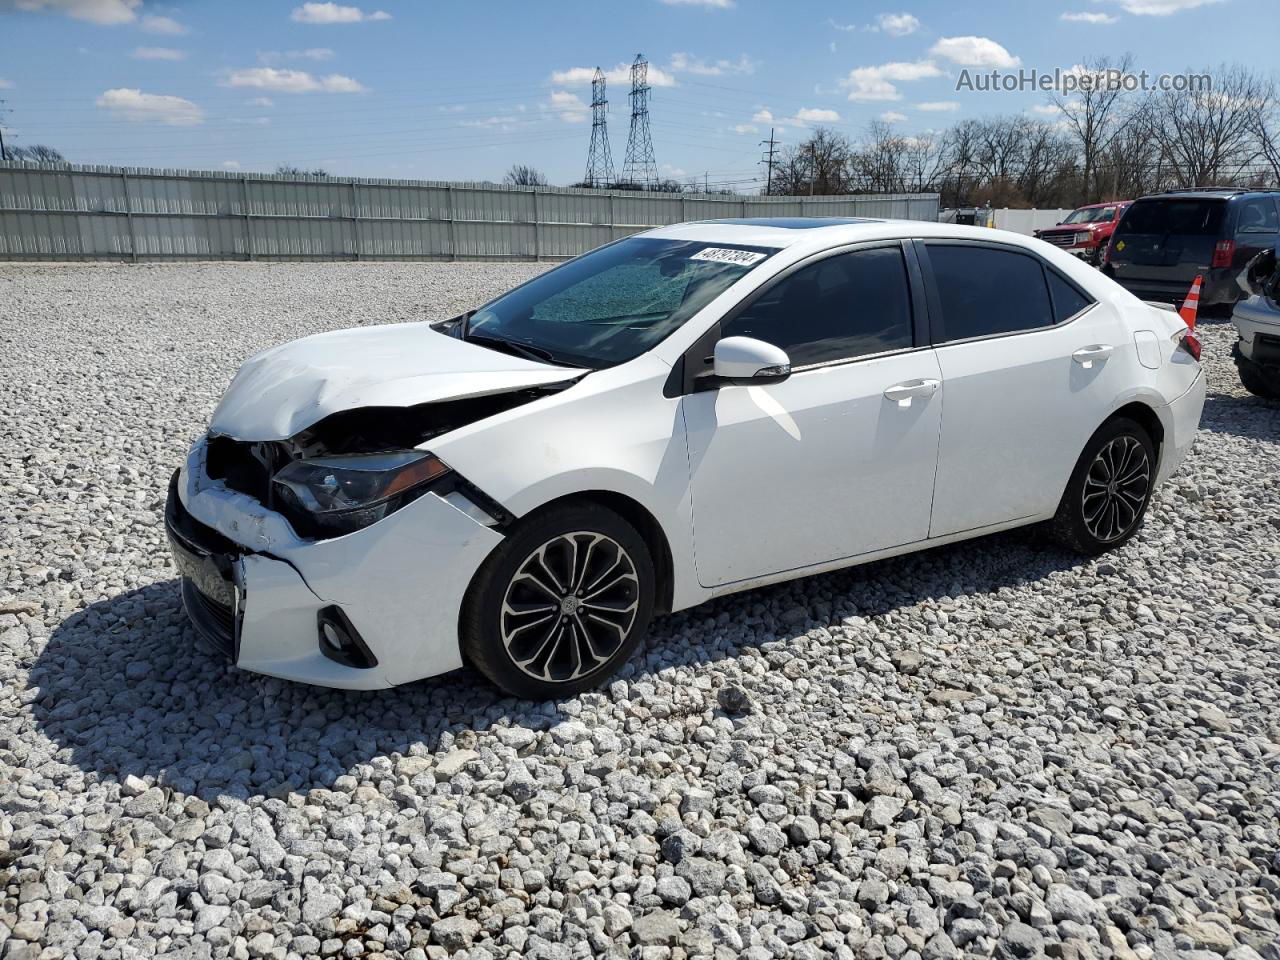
1059 239
246 467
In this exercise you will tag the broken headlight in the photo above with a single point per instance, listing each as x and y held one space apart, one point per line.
330 496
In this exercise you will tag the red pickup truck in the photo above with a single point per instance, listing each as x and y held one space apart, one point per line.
1085 231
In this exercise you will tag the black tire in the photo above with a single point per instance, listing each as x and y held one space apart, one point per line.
1078 524
584 643
1256 380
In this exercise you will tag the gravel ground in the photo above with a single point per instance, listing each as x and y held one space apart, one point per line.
989 749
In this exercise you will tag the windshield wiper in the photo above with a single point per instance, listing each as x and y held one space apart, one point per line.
526 350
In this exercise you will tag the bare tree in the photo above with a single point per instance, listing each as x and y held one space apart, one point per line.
1095 115
36 153
818 166
523 175
1211 135
289 170
1266 131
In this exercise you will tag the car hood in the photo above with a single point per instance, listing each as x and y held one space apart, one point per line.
286 389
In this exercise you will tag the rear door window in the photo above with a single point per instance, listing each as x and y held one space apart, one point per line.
986 291
1180 216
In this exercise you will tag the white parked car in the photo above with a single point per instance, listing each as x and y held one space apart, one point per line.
696 410
1257 321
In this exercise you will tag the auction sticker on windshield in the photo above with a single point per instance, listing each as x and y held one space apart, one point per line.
745 258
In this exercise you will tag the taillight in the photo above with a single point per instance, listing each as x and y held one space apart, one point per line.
1223 251
1189 342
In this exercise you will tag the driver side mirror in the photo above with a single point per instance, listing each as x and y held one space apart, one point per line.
746 360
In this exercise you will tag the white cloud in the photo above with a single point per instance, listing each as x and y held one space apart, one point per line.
291 81
619 74
816 115
334 13
938 106
166 26
687 63
974 52
675 173
745 128
1162 8
311 53
1049 110
569 106
132 104
504 122
262 102
107 12
231 164
878 83
1086 17
896 24
158 53
713 4
801 118
892 116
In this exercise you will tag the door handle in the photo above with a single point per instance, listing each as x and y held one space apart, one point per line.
903 393
1086 355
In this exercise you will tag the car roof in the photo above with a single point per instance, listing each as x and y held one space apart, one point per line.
1211 193
821 232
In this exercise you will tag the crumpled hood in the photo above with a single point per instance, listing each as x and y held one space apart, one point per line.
286 389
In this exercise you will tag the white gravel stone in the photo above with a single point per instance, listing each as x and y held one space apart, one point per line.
993 748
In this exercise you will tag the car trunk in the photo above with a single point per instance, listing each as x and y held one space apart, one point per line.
1167 239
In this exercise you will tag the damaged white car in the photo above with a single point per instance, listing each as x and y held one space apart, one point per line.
696 410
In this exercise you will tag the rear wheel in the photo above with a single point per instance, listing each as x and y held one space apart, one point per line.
561 603
1107 495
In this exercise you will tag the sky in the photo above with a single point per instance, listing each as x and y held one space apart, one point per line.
428 89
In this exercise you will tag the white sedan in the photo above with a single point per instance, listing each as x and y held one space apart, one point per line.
693 411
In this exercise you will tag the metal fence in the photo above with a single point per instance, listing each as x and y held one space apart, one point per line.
66 212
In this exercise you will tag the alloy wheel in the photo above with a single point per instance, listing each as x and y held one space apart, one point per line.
570 606
1116 488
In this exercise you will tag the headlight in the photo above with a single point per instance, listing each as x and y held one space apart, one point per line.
1084 236
330 496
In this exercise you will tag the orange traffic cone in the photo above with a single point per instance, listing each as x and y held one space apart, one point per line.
1191 305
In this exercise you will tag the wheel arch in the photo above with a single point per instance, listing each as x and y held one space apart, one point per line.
646 524
1146 417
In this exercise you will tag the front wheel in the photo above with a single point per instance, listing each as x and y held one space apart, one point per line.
1107 495
561 603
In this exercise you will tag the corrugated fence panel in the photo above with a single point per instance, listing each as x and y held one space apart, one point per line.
65 212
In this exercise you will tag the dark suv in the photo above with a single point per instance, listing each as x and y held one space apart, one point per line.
1163 241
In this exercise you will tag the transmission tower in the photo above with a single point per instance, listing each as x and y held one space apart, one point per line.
639 167
599 159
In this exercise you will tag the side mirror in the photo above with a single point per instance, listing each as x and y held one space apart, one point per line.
750 361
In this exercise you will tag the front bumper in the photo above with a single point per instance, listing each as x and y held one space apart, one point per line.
1258 325
256 590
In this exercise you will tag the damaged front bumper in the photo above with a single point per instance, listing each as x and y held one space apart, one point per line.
261 595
